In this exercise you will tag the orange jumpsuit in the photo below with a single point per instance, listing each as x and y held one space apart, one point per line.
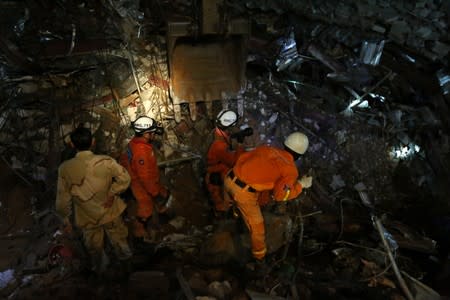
220 158
264 169
140 162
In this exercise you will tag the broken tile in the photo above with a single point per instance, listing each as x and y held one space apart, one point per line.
399 31
424 32
370 53
441 49
444 80
378 28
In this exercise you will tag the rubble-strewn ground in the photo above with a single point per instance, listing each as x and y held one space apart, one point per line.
367 81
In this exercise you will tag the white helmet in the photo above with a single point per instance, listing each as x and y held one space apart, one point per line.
226 118
297 142
144 124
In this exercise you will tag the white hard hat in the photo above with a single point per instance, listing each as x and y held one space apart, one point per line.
297 142
226 118
144 124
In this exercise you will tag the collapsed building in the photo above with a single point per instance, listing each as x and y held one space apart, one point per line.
367 81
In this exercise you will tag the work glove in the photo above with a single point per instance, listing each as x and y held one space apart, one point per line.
306 181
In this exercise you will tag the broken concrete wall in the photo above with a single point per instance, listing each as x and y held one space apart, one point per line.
374 112
421 26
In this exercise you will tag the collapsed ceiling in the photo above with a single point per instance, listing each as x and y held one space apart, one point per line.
367 81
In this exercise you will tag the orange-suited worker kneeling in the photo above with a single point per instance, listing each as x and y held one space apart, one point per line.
266 168
91 184
221 158
140 161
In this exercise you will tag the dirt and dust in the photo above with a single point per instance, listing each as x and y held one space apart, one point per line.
395 150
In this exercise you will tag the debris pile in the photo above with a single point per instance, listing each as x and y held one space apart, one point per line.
367 81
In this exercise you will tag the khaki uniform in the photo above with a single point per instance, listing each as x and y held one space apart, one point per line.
84 184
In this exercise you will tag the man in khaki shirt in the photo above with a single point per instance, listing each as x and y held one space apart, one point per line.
89 185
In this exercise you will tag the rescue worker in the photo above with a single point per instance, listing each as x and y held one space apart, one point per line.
88 187
221 158
265 168
140 161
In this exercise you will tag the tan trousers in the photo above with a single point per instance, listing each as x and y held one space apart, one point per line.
247 203
94 241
